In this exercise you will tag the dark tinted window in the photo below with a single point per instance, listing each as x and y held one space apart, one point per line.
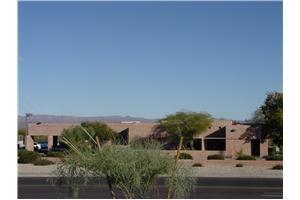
215 144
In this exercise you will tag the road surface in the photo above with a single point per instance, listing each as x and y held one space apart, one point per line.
206 188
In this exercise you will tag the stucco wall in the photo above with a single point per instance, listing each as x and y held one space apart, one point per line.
238 136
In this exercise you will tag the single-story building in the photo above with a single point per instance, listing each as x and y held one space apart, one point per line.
225 137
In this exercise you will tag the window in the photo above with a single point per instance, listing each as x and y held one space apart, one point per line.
197 144
215 144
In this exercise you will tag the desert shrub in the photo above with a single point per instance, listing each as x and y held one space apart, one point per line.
278 167
131 170
197 165
239 165
28 156
215 157
185 156
55 154
274 157
241 156
41 161
246 157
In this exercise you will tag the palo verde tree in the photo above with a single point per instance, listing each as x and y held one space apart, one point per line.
184 125
272 109
101 130
181 128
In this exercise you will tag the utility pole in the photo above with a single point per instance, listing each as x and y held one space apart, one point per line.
27 115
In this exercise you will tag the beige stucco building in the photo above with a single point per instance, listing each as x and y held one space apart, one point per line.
222 137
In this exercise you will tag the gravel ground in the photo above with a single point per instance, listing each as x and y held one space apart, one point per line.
29 170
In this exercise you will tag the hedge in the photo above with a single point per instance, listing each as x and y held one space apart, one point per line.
197 165
40 161
246 157
55 154
27 156
215 157
278 167
274 157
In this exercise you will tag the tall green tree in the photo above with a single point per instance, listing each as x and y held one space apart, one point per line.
77 134
22 132
272 109
185 125
258 117
100 130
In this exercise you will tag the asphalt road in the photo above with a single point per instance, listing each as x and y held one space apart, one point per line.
206 188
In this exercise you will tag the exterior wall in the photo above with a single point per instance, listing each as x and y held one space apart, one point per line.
48 128
264 149
238 136
135 130
234 146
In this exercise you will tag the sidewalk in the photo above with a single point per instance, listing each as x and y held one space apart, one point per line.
210 169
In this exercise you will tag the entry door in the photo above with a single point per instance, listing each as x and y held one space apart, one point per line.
255 147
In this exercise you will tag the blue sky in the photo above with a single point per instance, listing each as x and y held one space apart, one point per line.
148 59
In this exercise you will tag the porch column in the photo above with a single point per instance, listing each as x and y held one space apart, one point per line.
29 142
50 142
202 152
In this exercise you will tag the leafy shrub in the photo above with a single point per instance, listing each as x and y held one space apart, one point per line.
246 157
239 165
40 161
197 165
132 171
278 167
215 157
274 157
27 156
20 151
185 156
55 154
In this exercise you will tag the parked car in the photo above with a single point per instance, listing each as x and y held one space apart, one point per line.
36 146
21 146
41 146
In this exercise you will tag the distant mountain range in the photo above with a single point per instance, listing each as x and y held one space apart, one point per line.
73 119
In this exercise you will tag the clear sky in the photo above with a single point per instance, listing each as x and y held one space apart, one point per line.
148 59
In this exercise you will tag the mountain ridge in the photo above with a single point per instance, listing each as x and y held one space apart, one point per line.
75 119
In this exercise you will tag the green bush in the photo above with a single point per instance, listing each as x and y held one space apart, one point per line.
185 156
215 157
278 167
245 157
197 165
40 161
132 171
239 165
274 157
27 156
55 154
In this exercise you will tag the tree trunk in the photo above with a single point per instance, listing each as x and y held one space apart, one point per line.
175 166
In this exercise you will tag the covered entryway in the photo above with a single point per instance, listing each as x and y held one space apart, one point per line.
255 147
